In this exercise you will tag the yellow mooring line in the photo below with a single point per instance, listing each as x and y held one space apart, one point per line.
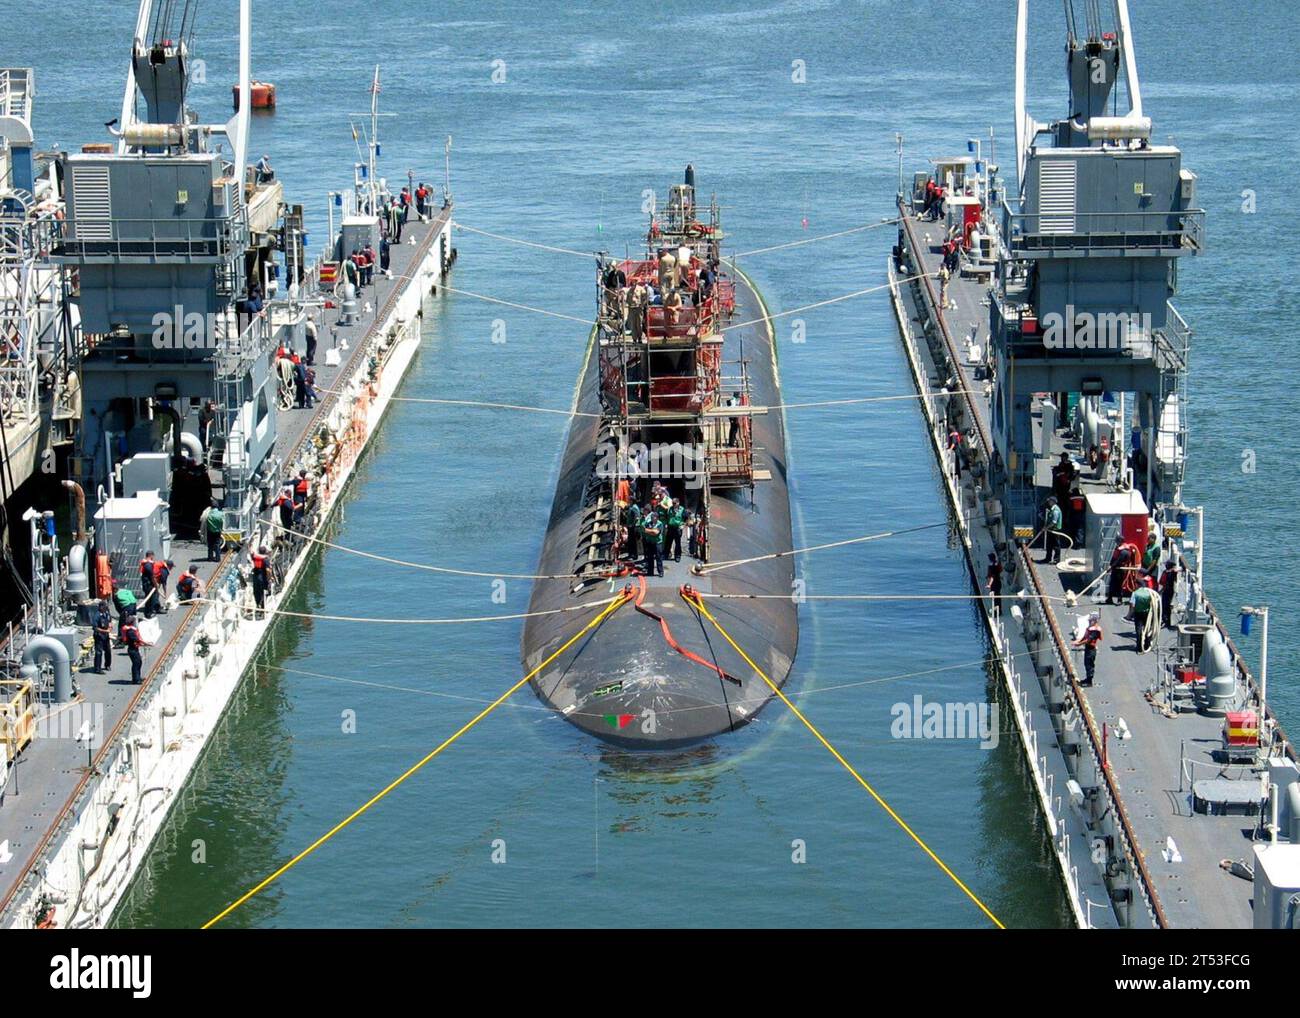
693 599
609 610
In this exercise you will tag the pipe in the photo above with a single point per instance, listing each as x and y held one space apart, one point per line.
1119 128
175 415
42 648
192 445
78 581
80 495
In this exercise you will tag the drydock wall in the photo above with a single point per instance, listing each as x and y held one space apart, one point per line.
93 853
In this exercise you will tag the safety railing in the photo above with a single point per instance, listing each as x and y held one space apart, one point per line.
1028 233
99 237
934 405
1128 842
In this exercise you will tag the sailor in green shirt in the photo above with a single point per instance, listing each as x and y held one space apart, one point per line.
124 599
652 536
212 524
674 520
1145 615
1151 557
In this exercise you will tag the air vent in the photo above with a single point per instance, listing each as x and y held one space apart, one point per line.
92 206
1056 196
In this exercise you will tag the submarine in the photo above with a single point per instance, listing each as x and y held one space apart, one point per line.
673 484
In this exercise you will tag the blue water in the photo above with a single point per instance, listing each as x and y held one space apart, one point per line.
597 106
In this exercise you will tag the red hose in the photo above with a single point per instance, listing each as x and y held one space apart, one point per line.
668 635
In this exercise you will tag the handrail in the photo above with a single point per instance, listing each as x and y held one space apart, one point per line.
965 394
1019 227
1131 848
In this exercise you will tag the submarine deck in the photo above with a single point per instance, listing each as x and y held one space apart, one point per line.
630 651
49 776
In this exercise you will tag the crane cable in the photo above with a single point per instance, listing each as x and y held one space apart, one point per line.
689 596
608 610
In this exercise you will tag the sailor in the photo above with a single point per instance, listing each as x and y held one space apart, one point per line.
207 417
652 537
147 595
1063 475
421 200
993 582
312 337
103 629
638 300
299 382
674 520
929 197
672 302
129 634
385 254
161 572
369 252
1168 585
301 489
954 446
1052 531
1091 637
212 524
261 573
936 208
263 170
124 600
706 281
1144 612
189 586
734 433
284 502
1151 557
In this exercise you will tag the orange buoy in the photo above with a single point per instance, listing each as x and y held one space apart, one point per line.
263 93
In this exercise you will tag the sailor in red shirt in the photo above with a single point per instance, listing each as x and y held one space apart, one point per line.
161 572
130 636
148 596
1089 641
261 574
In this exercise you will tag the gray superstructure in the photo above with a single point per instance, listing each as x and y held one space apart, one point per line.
194 313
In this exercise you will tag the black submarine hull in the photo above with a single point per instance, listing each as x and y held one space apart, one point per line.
624 681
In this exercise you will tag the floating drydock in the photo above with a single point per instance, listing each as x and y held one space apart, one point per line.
1052 370
93 762
674 393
